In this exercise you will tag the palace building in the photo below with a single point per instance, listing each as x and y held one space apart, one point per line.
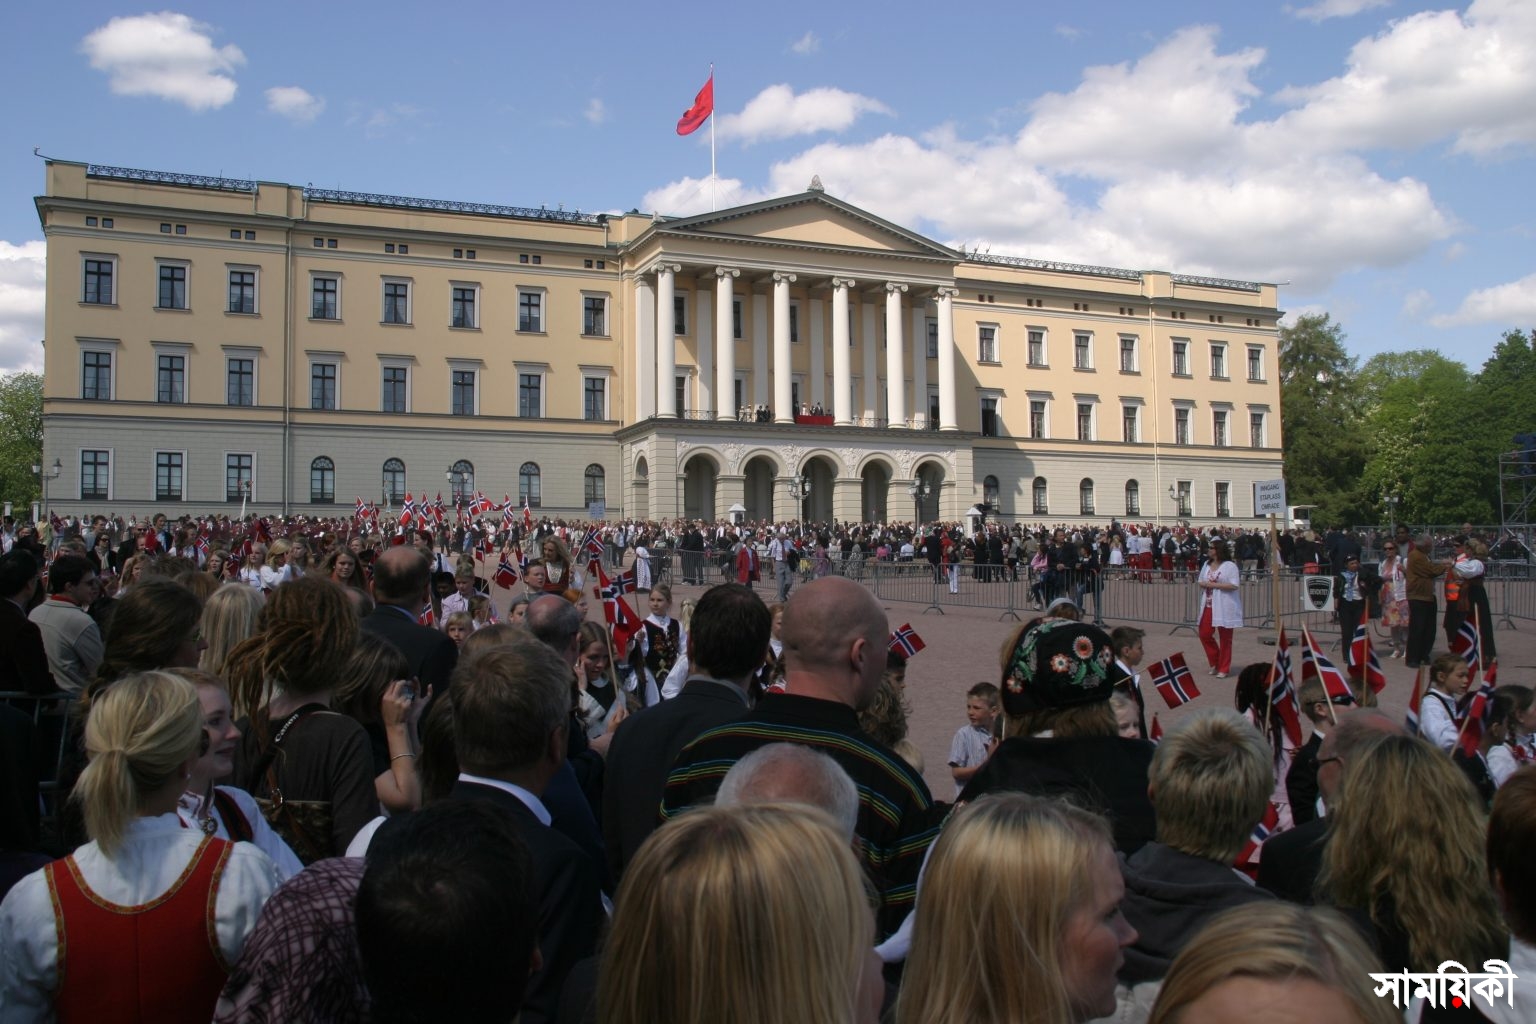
211 340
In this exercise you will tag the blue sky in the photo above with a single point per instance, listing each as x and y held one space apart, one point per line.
1374 157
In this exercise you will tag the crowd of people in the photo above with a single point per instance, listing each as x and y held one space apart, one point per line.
323 777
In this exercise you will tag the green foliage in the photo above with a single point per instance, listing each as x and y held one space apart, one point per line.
1323 420
21 437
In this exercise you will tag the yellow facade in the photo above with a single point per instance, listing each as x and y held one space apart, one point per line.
202 334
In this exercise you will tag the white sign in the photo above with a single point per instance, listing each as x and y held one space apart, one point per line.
1269 497
1317 593
597 510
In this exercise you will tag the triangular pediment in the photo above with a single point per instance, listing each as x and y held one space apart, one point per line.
810 219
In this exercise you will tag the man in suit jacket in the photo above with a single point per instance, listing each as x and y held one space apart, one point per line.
511 710
727 643
400 581
23 658
1291 860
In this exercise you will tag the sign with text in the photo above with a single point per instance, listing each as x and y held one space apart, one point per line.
1269 497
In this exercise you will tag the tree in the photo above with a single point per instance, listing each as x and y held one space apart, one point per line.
1322 417
21 436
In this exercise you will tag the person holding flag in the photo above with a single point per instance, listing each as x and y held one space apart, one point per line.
1449 679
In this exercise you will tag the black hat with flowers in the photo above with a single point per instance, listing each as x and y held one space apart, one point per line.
1057 663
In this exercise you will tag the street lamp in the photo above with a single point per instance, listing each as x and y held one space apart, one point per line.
455 478
1391 501
43 478
799 488
919 489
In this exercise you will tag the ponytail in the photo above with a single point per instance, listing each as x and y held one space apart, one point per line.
139 733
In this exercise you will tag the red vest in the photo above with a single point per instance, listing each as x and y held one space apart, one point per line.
157 962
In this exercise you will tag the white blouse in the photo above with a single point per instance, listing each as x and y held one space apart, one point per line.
154 853
1226 605
190 808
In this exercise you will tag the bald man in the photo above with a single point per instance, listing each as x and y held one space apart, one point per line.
835 639
401 577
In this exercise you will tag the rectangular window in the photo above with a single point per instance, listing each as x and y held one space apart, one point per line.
679 314
322 386
397 302
98 282
1036 417
1186 507
173 287
1127 355
987 344
736 319
1256 430
990 427
394 389
1219 362
95 474
1036 347
1224 500
740 393
1181 359
530 311
594 398
594 316
1181 426
933 410
238 476
681 394
463 393
1255 363
168 467
96 376
242 291
530 388
794 325
171 379
326 303
1085 421
464 308
1082 352
241 384
933 339
1219 428
1130 423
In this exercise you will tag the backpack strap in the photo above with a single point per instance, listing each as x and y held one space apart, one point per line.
235 821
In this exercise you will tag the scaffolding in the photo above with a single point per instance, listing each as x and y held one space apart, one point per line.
1517 496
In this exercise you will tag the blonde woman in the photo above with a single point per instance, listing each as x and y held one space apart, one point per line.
229 618
1407 825
152 912
731 915
1019 918
1298 963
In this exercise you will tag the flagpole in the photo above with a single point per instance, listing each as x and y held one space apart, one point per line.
1471 680
1306 636
714 179
1274 604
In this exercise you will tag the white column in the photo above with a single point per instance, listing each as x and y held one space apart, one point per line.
895 372
919 367
666 342
870 339
818 337
645 348
842 356
725 334
783 405
759 349
704 343
947 417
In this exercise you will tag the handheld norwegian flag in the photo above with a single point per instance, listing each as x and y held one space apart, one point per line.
361 511
1468 643
1315 666
1475 720
506 574
1363 665
1282 692
482 503
427 616
1174 680
527 514
439 510
905 640
1247 861
506 510
1412 720
591 544
621 618
407 512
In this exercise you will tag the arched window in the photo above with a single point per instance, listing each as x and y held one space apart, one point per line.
596 485
461 480
322 481
1038 489
528 487
394 481
990 490
1132 498
1085 497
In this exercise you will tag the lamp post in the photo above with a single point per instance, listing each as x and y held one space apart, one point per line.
800 489
1391 501
43 478
919 489
1173 496
455 478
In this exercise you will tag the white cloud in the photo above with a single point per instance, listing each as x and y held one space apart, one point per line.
1454 252
379 122
689 196
166 55
22 274
596 112
779 113
1417 302
294 103
1325 9
1068 31
1296 313
806 44
1510 305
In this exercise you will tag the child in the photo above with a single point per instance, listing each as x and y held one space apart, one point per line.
480 611
1127 716
660 643
458 626
1448 681
974 743
1502 733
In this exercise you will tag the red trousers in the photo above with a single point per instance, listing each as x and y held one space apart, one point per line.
1217 641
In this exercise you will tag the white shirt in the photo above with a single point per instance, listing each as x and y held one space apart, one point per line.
154 853
190 808
530 801
1522 961
1501 763
1435 722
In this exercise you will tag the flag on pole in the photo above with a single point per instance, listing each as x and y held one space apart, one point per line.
1469 644
427 618
1315 666
906 641
527 514
1282 691
703 106
1413 702
591 544
1174 680
506 574
1476 719
621 618
407 512
1363 665
361 510
1247 861
506 510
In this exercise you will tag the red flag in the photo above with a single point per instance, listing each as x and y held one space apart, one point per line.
1413 702
1246 861
905 641
1174 680
703 105
1155 734
1282 693
1363 665
427 618
622 619
506 575
1313 663
527 514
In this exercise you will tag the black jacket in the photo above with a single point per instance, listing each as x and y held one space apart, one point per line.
1301 781
431 654
1291 861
